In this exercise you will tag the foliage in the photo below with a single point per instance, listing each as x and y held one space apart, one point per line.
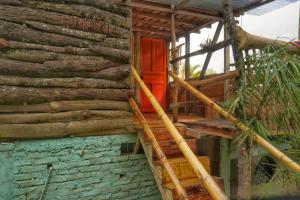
195 71
268 100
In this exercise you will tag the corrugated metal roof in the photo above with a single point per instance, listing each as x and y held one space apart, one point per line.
271 7
207 4
216 5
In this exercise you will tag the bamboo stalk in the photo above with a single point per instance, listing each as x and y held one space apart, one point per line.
208 182
160 154
257 138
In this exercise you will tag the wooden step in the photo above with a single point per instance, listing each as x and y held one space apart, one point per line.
191 182
171 149
162 134
183 169
194 188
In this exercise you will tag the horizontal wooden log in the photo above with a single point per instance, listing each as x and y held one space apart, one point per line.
82 11
65 69
19 67
17 32
61 129
11 2
7 13
60 106
101 4
118 55
37 56
65 31
118 131
76 82
19 95
36 118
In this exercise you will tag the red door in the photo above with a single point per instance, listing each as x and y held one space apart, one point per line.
153 71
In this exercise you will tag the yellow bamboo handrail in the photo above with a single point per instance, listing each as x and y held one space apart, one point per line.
208 182
257 138
160 154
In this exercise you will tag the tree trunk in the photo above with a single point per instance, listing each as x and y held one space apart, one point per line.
19 95
63 116
82 11
59 106
114 54
244 172
76 82
65 69
89 25
60 129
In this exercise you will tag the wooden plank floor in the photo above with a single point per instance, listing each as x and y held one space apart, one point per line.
196 125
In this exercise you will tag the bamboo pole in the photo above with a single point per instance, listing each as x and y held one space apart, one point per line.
175 66
257 138
208 182
160 154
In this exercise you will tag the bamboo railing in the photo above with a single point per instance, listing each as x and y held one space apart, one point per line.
160 154
257 138
208 182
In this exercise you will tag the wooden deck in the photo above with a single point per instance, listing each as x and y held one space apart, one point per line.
196 126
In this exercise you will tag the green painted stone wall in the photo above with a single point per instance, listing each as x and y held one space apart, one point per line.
83 168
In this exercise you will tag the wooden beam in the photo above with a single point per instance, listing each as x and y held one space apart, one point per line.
182 4
204 50
169 10
163 18
187 69
151 30
167 26
209 54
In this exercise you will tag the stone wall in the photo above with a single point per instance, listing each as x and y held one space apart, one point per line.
83 168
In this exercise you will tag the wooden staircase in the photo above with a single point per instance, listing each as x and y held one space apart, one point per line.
184 172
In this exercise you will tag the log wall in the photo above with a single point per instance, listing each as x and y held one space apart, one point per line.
64 68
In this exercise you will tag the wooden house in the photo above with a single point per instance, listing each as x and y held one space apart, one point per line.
67 130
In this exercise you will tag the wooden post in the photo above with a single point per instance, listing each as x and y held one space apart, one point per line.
137 42
175 66
209 54
244 161
225 162
187 51
187 69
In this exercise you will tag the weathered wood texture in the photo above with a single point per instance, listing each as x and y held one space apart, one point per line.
60 106
61 129
11 94
64 68
63 116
